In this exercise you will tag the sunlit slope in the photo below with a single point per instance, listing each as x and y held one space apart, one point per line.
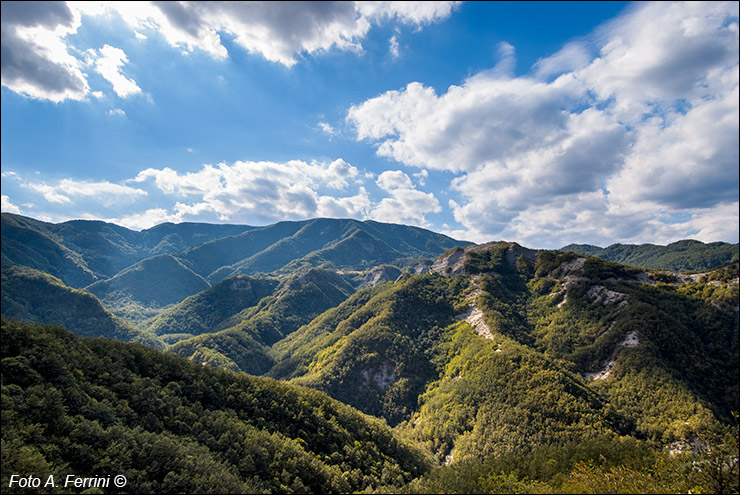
106 408
572 344
686 255
244 338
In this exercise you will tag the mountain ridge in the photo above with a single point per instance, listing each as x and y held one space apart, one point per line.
679 256
482 351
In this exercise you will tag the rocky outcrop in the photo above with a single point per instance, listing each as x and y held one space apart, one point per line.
380 275
452 262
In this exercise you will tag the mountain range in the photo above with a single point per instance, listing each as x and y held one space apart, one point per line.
493 363
686 255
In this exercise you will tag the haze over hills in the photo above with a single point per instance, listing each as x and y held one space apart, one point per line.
34 296
465 351
80 252
139 274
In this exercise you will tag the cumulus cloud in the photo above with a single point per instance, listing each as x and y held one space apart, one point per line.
105 193
279 31
109 66
487 118
692 162
405 204
265 191
393 179
35 59
609 146
662 52
6 205
38 60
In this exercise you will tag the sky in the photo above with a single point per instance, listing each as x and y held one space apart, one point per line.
542 123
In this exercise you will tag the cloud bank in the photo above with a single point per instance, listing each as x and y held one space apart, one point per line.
38 60
617 137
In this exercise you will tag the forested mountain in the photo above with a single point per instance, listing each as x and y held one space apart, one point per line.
143 289
80 252
37 297
137 275
686 255
242 340
604 332
106 408
338 244
503 365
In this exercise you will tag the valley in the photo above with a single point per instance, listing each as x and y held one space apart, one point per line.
338 355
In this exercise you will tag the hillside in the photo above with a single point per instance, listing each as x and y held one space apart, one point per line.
143 289
168 425
579 346
515 369
206 311
138 274
337 244
36 297
244 342
80 252
681 256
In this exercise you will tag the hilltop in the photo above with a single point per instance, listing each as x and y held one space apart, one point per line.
479 358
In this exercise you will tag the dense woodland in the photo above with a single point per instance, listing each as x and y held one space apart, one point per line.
391 361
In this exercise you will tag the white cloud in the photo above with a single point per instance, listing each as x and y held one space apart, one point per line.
147 219
7 206
35 59
418 13
279 31
663 51
692 162
266 192
104 192
356 206
109 65
572 56
117 112
260 192
610 148
485 119
338 173
422 176
393 46
406 204
393 179
327 129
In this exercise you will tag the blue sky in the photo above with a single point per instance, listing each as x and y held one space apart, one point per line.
544 123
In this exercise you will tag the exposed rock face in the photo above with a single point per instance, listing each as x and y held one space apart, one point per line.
381 377
380 275
452 263
602 295
632 339
474 317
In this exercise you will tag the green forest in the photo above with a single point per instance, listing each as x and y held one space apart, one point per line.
361 359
